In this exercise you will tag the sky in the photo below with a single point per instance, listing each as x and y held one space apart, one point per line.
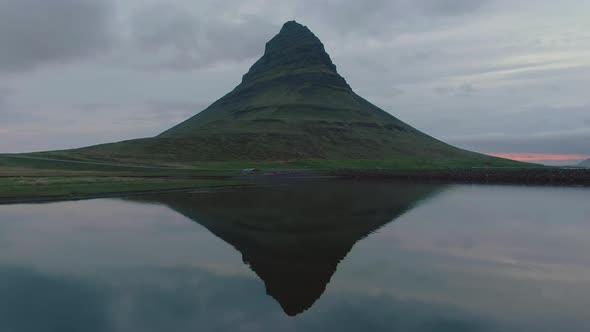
503 77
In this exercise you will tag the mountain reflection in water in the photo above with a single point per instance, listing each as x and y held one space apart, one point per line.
460 258
294 236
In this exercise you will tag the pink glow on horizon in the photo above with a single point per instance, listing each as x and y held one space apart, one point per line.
523 156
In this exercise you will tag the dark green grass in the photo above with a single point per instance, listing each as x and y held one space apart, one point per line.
235 151
32 187
34 178
17 161
233 168
16 165
405 164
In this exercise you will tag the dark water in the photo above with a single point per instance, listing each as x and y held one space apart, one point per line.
312 256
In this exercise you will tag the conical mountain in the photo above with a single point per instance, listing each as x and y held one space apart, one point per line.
291 105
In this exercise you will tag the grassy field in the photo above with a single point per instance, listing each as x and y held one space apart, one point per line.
35 178
399 164
22 165
23 176
227 167
32 187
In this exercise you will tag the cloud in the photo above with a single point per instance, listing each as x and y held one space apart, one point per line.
541 156
467 68
154 112
36 127
563 141
182 299
163 109
9 112
463 90
549 129
36 32
34 301
159 114
377 18
173 38
451 7
165 27
4 93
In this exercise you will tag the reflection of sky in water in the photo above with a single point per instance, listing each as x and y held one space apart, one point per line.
473 258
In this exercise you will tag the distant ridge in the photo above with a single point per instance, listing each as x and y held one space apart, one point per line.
585 163
292 105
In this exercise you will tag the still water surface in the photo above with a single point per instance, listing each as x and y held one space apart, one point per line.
308 256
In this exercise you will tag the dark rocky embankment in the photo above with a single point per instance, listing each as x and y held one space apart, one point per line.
543 176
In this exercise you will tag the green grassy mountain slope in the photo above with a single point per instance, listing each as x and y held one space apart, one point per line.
292 105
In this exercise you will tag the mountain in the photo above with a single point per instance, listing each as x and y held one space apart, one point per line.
293 237
291 105
585 163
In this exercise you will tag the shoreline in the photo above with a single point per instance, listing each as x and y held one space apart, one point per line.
483 176
527 176
69 198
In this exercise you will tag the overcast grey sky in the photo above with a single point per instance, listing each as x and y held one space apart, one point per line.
488 75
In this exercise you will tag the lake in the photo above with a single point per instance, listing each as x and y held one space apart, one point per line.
305 255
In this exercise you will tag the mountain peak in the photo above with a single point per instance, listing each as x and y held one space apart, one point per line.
293 25
294 49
